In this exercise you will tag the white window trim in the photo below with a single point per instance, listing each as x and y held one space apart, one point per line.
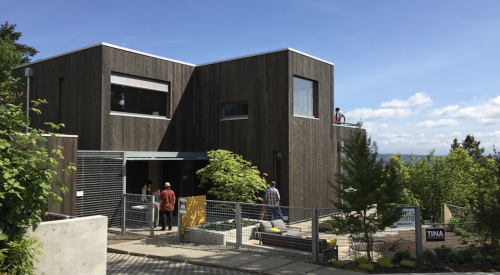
309 117
115 113
234 118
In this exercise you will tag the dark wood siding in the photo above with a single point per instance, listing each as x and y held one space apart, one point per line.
121 133
312 155
262 81
81 112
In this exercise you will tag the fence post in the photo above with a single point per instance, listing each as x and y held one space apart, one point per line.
315 235
179 220
418 232
442 213
237 217
152 221
124 226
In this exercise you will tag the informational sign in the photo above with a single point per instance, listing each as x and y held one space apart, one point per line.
79 193
183 204
407 218
183 211
433 235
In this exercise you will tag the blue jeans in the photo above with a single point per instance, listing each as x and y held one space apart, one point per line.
272 209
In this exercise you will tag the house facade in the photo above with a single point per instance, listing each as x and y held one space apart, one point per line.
275 109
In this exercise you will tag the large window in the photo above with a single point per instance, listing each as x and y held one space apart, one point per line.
139 96
237 110
304 97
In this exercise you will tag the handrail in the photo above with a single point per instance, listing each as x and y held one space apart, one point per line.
339 123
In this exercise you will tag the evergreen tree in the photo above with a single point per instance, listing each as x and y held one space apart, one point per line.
8 33
369 190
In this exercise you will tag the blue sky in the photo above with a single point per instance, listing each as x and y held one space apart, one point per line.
418 73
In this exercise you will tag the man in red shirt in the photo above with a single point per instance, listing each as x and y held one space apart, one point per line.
167 201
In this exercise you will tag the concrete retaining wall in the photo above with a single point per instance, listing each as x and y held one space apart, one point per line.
74 246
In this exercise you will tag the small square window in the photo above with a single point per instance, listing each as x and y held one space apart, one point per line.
236 110
304 97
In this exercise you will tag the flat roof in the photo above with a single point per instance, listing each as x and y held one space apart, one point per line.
169 59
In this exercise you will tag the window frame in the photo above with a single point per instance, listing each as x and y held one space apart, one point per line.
315 92
236 117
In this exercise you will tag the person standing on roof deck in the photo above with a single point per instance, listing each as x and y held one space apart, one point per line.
338 116
167 199
273 200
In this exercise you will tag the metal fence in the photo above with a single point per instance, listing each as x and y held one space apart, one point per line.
291 230
456 214
99 185
55 217
139 213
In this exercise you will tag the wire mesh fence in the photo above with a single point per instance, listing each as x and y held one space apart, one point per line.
290 230
456 214
139 213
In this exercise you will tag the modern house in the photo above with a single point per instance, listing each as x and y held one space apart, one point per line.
159 116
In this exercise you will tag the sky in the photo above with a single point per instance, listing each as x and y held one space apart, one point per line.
418 74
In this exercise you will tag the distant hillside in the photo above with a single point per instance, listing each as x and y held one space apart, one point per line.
406 157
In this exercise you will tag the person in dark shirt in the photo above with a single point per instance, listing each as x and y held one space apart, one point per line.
157 206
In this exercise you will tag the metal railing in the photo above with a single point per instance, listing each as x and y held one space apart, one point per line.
292 230
138 213
339 123
55 217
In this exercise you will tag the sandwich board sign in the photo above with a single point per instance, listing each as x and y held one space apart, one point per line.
407 218
434 235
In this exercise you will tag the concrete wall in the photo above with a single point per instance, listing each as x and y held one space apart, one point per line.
74 246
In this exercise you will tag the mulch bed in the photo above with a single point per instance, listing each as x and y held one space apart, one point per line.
486 266
125 238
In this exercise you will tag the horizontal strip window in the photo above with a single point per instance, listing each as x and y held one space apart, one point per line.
137 115
139 101
235 110
139 82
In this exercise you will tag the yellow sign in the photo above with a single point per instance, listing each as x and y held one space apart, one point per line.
195 211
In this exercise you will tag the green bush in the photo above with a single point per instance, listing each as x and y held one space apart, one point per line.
336 263
467 254
20 255
385 262
497 267
464 240
325 226
367 266
424 264
401 255
477 263
360 260
428 256
408 263
442 252
454 265
455 257
496 259
446 268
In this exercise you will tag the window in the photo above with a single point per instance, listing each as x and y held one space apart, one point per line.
139 96
304 97
238 110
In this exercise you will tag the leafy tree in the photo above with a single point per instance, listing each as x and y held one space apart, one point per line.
26 175
8 33
407 197
9 57
369 189
232 177
472 146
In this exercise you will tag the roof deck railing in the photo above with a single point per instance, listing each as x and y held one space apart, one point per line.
339 123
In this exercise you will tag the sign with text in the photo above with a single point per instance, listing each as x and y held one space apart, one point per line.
434 235
407 218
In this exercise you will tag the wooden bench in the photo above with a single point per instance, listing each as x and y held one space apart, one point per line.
296 242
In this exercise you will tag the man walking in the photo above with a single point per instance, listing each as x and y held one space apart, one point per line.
167 199
273 200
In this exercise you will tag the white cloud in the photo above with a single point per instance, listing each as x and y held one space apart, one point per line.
372 128
486 114
494 134
395 135
437 136
417 99
438 123
370 114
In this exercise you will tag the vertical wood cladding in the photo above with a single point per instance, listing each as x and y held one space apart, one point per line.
69 145
312 157
81 93
262 81
122 133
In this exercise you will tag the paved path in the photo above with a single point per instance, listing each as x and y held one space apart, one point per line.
126 264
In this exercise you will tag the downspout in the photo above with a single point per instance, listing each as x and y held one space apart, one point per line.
28 72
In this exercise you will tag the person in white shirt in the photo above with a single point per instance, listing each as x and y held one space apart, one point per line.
338 116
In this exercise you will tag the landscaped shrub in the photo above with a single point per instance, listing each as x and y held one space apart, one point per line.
336 263
464 240
401 255
442 252
454 265
325 226
425 264
385 262
367 266
467 254
428 256
477 263
360 260
446 268
496 259
455 257
408 263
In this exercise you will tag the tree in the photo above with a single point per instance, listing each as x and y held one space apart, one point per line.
472 147
26 175
232 177
7 33
369 189
9 57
